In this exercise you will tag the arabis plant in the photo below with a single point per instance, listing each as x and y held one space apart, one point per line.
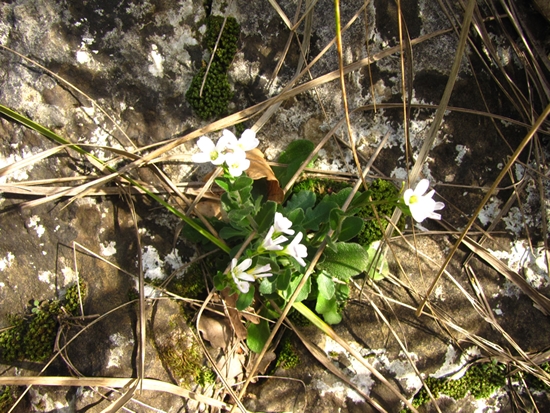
270 245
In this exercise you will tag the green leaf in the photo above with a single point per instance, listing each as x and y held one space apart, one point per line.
378 268
294 156
329 309
339 197
268 286
241 182
257 336
283 280
222 183
318 215
240 214
351 227
304 292
362 200
336 216
325 285
302 199
296 217
230 232
245 300
266 215
349 260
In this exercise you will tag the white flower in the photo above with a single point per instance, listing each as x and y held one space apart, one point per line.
297 250
422 205
282 224
270 244
228 142
248 140
242 278
210 152
236 162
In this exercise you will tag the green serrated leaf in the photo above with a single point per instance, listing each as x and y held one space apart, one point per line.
296 217
318 215
301 200
294 156
257 336
349 260
245 299
325 285
339 197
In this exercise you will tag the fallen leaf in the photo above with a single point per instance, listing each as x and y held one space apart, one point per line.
215 331
258 169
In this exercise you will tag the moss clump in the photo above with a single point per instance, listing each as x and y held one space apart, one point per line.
186 364
481 380
320 187
227 46
32 336
288 358
6 398
191 284
381 190
216 93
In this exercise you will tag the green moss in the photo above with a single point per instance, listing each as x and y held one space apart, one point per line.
227 46
6 398
216 93
32 336
381 190
186 364
481 380
288 358
191 284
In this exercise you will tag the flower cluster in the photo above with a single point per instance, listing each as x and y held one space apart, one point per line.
241 274
422 205
229 151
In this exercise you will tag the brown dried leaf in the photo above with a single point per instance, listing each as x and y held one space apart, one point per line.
216 331
259 168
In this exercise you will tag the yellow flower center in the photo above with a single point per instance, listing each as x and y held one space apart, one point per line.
413 199
213 155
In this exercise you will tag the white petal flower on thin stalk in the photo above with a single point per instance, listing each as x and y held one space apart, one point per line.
242 277
248 140
282 224
227 143
236 163
422 205
296 250
209 152
270 244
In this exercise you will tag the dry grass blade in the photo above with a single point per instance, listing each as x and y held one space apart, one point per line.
117 383
6 170
542 302
325 361
281 13
122 400
485 199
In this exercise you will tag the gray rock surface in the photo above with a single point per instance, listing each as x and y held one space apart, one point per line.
136 59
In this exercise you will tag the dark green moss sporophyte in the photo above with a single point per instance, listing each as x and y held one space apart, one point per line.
31 336
216 93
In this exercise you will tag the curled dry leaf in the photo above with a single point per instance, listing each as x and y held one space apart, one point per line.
216 331
258 169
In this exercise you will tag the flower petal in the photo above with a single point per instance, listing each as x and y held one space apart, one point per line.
422 187
248 140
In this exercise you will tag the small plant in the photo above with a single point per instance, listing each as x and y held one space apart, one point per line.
271 244
32 336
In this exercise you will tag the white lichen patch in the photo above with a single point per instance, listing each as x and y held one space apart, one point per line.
109 249
462 151
45 402
69 276
120 347
490 211
451 365
47 277
33 223
152 263
173 259
7 261
156 68
531 263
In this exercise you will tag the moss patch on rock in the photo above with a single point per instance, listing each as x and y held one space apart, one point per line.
31 336
216 93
